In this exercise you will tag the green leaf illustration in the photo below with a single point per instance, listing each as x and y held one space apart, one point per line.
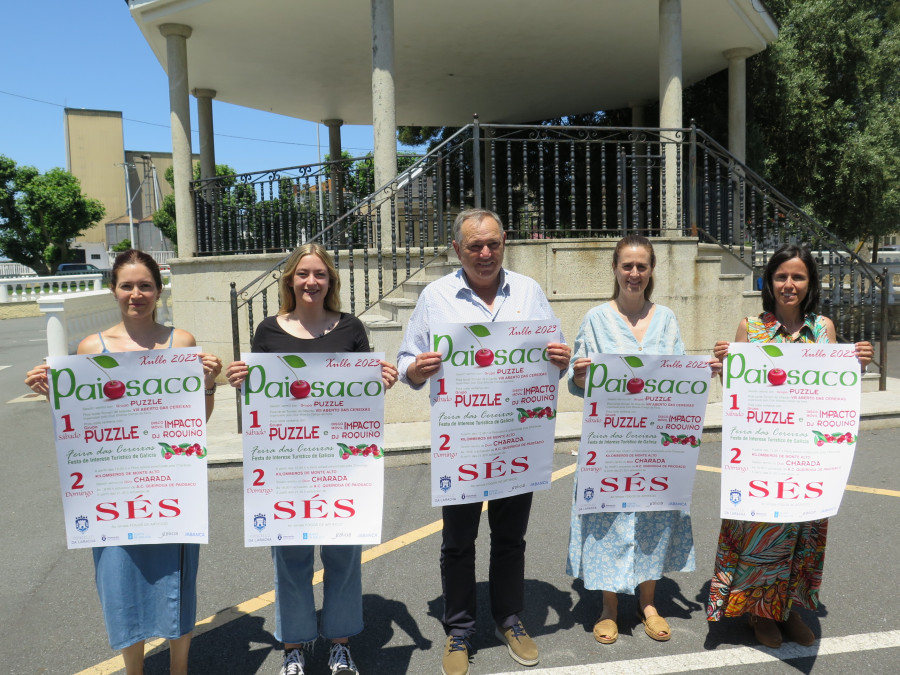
634 361
294 361
105 361
772 350
479 331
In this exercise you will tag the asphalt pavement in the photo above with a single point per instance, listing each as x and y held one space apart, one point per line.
51 621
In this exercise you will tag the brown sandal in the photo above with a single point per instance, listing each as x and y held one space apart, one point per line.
797 631
606 631
655 626
766 631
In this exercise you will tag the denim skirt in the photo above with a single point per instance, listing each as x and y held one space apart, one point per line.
147 591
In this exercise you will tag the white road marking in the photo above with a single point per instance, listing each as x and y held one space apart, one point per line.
5 367
728 657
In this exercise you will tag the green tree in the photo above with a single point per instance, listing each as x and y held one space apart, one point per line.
164 218
123 245
40 214
829 117
823 112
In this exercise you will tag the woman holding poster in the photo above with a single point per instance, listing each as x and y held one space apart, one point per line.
309 321
146 590
618 552
765 569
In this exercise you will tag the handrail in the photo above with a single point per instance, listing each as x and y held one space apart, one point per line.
558 181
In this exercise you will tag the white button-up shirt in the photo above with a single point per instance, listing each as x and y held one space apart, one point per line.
450 299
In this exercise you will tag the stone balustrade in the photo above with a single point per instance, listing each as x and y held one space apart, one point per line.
29 289
71 318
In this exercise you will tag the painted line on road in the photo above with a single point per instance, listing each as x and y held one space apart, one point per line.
728 658
5 367
229 614
852 488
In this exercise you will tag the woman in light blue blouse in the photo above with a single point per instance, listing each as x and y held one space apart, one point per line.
618 552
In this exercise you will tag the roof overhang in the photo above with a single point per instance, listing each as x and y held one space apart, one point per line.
508 60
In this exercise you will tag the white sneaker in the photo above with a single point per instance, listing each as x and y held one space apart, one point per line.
340 661
293 663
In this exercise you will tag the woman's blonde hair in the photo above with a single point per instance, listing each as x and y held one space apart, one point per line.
286 283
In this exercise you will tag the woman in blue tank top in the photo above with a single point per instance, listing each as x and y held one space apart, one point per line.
146 590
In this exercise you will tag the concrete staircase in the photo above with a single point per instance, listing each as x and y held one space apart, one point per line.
703 284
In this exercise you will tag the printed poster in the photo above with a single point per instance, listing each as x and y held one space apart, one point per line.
313 427
493 410
790 423
130 430
641 432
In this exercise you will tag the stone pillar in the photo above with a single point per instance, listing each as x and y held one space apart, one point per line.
737 127
180 119
384 110
335 153
737 101
670 108
205 127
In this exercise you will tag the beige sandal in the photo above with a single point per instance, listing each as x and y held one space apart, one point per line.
655 626
606 631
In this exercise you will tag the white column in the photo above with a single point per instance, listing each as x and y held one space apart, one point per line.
205 127
57 332
670 106
737 101
180 119
384 111
737 125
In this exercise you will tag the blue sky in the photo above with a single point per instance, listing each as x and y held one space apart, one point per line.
90 54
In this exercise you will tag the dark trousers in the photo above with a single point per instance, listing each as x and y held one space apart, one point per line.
508 520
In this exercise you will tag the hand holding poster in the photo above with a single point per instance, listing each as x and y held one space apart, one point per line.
642 427
313 429
790 422
493 410
130 431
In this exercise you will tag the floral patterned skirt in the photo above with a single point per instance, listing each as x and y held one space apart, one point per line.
764 568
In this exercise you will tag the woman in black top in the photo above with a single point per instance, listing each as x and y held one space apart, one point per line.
310 321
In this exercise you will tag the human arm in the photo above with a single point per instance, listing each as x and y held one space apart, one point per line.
212 366
423 366
388 374
415 361
864 352
864 349
586 342
559 353
36 380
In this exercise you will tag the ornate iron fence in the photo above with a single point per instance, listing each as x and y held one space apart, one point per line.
545 182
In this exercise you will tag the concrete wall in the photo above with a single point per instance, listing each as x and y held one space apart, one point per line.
576 275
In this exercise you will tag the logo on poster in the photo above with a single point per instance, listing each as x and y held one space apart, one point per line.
81 523
259 522
735 497
588 494
445 483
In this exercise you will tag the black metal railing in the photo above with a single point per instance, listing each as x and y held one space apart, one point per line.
277 210
557 182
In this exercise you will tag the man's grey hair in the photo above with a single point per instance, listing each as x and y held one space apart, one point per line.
472 214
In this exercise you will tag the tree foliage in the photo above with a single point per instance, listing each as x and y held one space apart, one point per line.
164 218
823 112
40 214
830 115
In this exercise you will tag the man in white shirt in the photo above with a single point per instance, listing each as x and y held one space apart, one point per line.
481 291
